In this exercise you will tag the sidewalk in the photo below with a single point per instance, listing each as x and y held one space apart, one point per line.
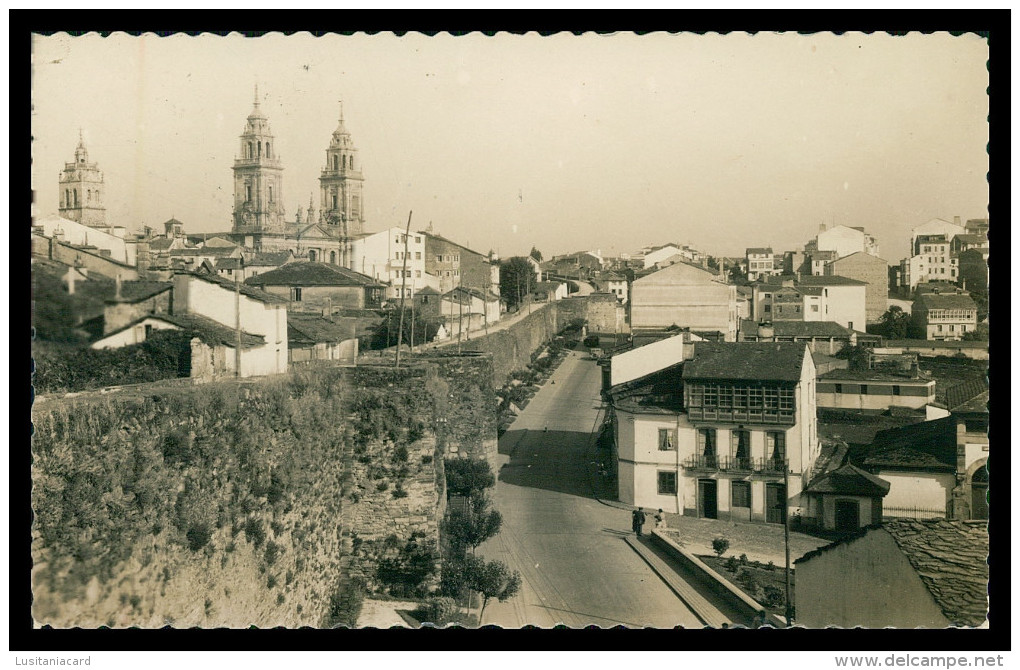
760 541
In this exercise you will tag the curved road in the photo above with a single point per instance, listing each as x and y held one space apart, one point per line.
575 565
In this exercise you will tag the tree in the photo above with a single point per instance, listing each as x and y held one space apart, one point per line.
720 545
858 355
494 580
536 254
516 279
407 572
895 323
465 476
472 526
978 335
385 334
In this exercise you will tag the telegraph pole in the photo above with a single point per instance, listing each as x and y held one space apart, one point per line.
237 324
412 317
403 284
786 537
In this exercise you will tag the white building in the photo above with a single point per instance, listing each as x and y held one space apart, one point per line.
845 240
381 256
712 436
111 242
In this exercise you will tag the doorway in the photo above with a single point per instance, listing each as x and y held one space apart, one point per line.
775 503
708 498
848 516
979 494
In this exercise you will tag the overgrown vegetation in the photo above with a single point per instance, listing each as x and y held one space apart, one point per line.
465 476
345 604
61 368
407 573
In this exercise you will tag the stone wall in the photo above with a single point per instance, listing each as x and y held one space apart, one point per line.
244 502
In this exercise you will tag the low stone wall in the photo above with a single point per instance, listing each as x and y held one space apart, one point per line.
718 584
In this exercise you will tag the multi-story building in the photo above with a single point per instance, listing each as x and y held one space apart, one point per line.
721 434
871 270
454 265
686 296
941 316
385 257
761 262
843 241
810 298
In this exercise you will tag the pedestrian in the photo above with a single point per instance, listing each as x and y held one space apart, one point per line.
638 520
660 519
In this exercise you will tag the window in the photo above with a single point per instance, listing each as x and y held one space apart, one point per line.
247 193
439 259
952 328
895 390
350 162
270 194
839 388
814 308
417 273
336 162
667 483
775 447
269 154
666 439
740 442
417 255
332 257
148 330
312 256
295 294
740 494
251 151
417 240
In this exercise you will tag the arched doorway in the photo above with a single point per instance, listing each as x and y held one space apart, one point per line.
332 257
979 494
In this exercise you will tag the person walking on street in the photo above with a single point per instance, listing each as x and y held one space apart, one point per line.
638 520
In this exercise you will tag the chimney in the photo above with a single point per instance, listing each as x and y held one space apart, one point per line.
70 281
117 294
956 220
766 333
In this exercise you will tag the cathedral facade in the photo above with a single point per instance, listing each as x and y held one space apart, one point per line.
259 219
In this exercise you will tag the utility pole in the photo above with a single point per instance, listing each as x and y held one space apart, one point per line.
786 537
485 298
237 325
460 318
412 317
403 284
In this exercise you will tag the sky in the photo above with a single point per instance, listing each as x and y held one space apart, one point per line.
565 143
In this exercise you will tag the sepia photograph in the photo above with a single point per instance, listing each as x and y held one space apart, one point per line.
663 330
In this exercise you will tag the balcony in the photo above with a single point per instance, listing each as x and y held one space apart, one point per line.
743 465
704 463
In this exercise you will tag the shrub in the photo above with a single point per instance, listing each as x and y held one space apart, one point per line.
416 431
273 552
254 531
720 545
770 566
743 559
198 536
271 581
773 597
407 572
400 454
382 486
437 610
426 459
345 604
280 598
399 492
731 564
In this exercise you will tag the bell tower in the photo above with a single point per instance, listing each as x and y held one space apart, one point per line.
258 178
81 190
340 183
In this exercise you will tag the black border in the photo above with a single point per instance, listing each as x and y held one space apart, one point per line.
992 24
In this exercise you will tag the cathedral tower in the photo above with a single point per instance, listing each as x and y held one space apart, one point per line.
341 180
81 190
258 178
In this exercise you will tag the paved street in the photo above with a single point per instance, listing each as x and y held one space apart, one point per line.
576 567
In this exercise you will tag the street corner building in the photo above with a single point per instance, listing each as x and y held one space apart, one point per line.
728 431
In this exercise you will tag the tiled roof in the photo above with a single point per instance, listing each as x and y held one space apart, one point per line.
242 288
272 258
229 263
951 558
874 376
933 344
925 445
850 480
311 273
658 392
160 244
976 405
312 328
547 286
943 301
136 291
829 280
764 361
206 329
427 290
972 239
859 429
210 251
822 329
